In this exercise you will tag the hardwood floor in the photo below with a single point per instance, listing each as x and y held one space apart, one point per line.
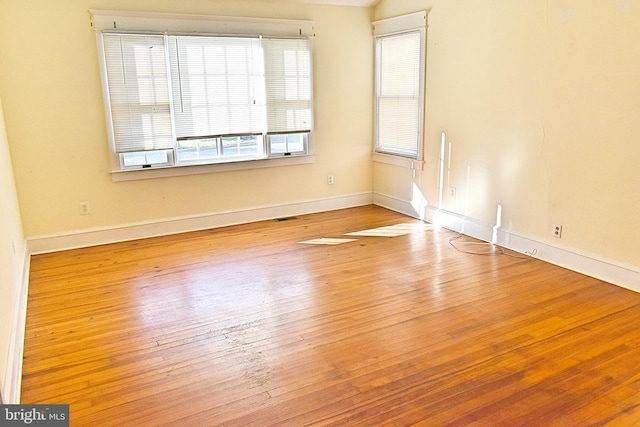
243 325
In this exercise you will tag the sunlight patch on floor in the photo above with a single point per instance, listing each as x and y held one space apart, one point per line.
392 230
327 241
386 231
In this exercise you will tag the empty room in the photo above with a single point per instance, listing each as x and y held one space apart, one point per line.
320 212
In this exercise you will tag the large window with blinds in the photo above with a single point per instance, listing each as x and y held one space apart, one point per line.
399 85
192 99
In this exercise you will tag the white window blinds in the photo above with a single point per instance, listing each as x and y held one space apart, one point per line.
399 72
217 85
399 93
288 85
138 92
193 89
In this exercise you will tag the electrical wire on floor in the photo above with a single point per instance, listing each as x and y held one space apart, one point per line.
491 251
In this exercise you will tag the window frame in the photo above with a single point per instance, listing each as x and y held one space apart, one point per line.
388 28
105 22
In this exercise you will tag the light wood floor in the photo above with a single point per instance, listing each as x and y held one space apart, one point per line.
245 326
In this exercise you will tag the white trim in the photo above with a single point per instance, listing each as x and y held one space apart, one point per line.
120 233
404 162
13 375
410 21
348 3
395 204
620 274
132 175
111 20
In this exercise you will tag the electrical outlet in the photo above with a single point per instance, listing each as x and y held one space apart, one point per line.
452 192
330 180
557 231
85 208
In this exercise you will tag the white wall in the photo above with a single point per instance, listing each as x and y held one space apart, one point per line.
12 263
50 85
539 104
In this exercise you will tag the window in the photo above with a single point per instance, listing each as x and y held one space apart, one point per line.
175 99
399 85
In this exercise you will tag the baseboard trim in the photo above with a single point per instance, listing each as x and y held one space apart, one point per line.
13 375
619 274
125 232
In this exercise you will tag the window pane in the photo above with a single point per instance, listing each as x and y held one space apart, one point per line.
296 143
249 144
197 149
288 143
208 148
230 146
241 145
278 144
133 159
156 157
140 158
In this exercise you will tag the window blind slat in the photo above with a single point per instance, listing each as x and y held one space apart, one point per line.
138 92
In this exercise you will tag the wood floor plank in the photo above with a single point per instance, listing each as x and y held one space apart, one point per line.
243 325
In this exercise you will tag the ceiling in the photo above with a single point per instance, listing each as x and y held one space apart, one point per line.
355 3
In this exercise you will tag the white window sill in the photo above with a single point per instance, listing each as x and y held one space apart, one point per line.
404 162
133 175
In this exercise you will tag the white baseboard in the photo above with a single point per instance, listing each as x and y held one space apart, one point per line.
13 375
120 233
614 272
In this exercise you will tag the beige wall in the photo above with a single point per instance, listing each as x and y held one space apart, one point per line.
50 84
12 254
539 101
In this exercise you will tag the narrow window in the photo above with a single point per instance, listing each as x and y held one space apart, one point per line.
399 78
